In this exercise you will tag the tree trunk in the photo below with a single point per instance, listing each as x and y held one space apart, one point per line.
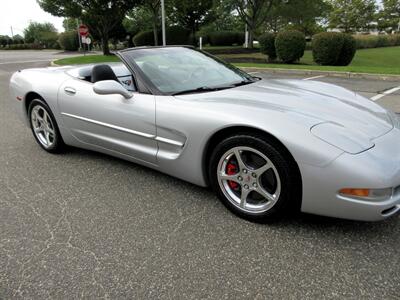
251 38
155 33
104 45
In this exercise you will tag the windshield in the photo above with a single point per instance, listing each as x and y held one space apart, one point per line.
174 70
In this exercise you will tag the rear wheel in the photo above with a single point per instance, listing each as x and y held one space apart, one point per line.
44 127
254 177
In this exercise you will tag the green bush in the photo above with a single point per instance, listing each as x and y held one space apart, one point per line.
225 38
69 41
144 38
376 41
177 35
327 47
333 48
290 45
267 45
348 51
25 46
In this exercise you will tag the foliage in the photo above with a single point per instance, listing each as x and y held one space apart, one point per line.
144 38
290 45
176 35
327 47
352 15
226 38
190 14
69 40
389 16
333 48
374 41
267 45
41 33
103 16
302 15
253 13
348 51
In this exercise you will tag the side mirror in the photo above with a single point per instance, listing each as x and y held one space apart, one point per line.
108 87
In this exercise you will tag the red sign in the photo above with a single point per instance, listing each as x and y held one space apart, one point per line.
83 30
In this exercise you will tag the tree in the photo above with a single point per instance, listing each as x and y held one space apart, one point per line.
302 15
70 24
190 14
389 16
153 6
253 13
352 15
41 33
102 16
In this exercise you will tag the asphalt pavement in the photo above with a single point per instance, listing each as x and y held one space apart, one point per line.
86 225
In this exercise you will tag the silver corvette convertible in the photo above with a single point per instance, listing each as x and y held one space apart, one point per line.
264 146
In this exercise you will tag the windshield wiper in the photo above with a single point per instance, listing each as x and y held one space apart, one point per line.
197 90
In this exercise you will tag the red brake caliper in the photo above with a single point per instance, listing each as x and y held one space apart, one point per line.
231 169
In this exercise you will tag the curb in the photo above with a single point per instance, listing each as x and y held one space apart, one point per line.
323 73
53 64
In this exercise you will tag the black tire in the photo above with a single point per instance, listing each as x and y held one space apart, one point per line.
289 199
58 144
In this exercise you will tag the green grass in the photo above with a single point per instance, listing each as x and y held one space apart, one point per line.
87 59
377 61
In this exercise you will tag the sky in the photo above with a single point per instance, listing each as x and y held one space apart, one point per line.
18 14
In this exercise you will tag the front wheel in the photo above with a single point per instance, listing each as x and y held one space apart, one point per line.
44 127
254 177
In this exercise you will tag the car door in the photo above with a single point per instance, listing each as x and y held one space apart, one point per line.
121 125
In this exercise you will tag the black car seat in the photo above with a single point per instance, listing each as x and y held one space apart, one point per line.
103 72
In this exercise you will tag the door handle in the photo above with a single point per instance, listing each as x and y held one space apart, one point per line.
69 90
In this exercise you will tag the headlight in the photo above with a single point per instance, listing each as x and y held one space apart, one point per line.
343 138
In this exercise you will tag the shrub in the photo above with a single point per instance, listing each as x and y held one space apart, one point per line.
144 38
348 51
333 49
225 38
327 47
290 45
69 40
267 45
177 35
375 41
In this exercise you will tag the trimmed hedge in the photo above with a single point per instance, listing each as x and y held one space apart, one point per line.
144 38
25 46
225 38
349 49
290 45
327 47
267 45
376 41
333 49
176 35
69 40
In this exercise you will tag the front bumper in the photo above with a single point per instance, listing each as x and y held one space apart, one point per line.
376 168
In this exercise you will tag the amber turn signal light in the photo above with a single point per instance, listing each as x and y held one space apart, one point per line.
355 192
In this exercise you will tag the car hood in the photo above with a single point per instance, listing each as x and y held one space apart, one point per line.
317 100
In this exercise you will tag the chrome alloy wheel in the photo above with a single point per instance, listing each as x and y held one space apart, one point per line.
248 179
42 126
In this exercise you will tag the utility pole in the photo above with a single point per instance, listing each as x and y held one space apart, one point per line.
12 33
164 41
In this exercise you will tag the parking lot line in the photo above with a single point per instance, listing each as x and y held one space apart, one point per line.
385 93
314 77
